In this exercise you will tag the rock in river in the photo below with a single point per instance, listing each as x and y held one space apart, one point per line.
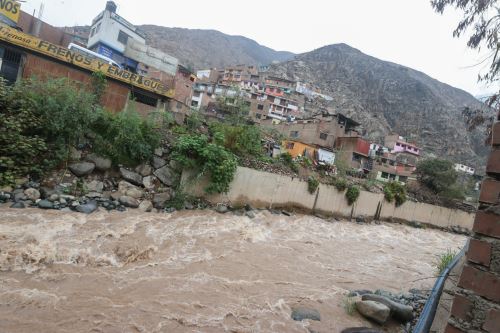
300 313
32 194
374 310
401 312
45 204
146 206
87 208
129 201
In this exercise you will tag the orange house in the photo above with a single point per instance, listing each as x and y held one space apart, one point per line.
296 148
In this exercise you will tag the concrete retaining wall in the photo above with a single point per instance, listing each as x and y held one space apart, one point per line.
268 190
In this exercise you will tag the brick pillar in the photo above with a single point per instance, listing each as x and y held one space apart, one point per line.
476 307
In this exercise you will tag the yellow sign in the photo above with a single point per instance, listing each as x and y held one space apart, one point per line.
10 9
58 52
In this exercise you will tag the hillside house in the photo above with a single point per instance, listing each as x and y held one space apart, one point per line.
354 150
464 168
405 152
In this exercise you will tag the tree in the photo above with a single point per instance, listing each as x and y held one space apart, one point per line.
482 17
437 174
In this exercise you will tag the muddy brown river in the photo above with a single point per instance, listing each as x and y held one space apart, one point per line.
199 271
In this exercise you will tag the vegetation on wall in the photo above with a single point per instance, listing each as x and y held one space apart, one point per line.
242 140
125 137
22 149
340 184
395 191
41 120
352 194
312 184
208 158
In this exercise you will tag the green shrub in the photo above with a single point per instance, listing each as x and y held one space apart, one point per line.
444 260
312 184
437 174
22 149
349 304
178 200
395 191
125 137
40 122
352 194
340 184
287 159
196 152
242 140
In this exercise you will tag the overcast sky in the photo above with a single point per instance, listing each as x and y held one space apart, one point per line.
407 32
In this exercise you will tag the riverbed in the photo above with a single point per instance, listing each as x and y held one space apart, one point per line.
200 271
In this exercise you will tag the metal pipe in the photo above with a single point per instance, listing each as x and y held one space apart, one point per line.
429 312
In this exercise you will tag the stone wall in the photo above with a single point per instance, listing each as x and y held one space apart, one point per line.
476 307
269 190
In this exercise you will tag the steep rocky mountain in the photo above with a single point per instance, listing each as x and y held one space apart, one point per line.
201 49
386 97
383 96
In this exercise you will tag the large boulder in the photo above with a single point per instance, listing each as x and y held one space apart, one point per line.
19 204
87 208
101 163
45 204
160 199
134 193
81 169
95 186
158 162
131 176
129 201
222 209
144 169
149 182
374 310
146 206
32 194
401 312
165 175
300 313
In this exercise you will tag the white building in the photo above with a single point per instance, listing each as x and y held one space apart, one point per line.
110 34
464 168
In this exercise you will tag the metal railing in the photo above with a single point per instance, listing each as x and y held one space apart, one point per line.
429 312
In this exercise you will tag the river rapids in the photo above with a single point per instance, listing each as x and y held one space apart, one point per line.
199 271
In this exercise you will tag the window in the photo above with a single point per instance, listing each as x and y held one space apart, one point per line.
385 175
290 145
194 103
260 107
258 116
179 105
294 134
92 32
323 136
123 37
144 99
98 27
